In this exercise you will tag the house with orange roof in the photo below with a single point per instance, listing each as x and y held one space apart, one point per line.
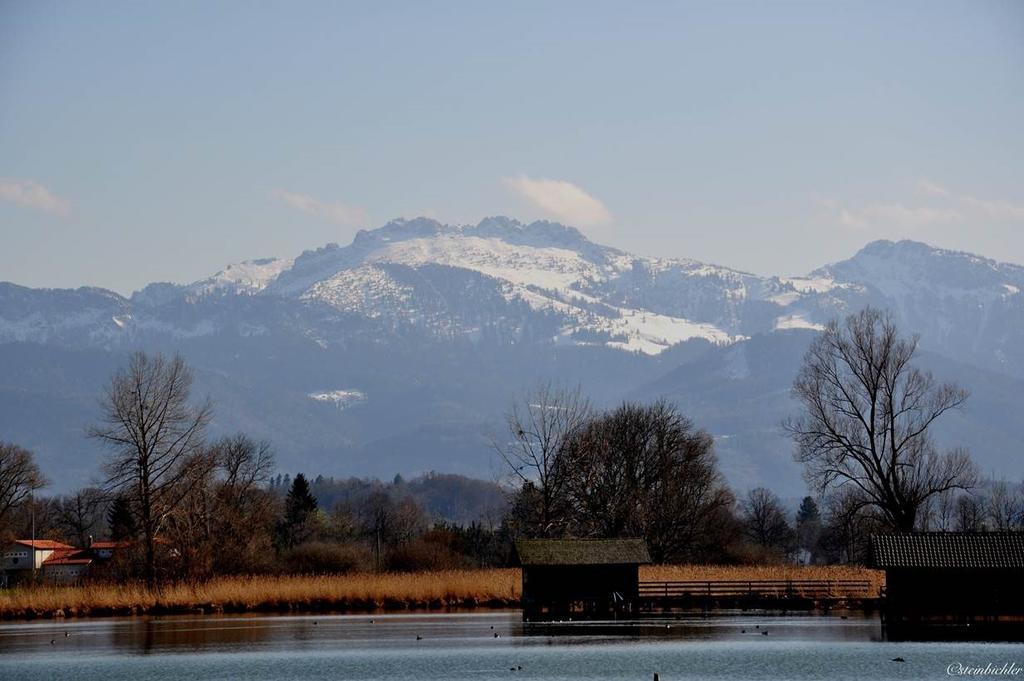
30 554
53 561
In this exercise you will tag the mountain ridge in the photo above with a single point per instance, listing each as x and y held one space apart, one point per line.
399 351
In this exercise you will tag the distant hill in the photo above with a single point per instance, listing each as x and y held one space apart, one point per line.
399 352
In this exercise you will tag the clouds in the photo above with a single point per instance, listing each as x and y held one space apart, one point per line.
33 195
340 213
934 205
561 200
972 207
895 214
929 188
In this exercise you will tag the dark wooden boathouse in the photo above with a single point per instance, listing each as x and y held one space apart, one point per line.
952 584
580 578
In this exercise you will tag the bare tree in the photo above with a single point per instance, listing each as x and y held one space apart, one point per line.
941 511
1005 507
644 470
849 524
189 525
389 523
867 415
19 477
246 466
970 514
81 515
156 439
539 429
244 510
765 522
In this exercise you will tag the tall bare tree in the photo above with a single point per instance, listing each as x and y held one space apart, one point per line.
644 470
539 427
867 418
970 514
1005 507
19 477
81 515
765 522
246 466
156 440
244 510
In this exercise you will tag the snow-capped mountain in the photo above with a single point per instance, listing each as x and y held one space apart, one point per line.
464 281
438 327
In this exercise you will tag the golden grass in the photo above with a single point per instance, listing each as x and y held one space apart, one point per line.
363 591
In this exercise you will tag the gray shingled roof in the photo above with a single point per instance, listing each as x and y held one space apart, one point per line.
582 551
948 550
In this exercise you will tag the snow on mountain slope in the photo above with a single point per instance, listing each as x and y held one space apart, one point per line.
341 399
398 350
544 281
552 268
899 269
89 315
248 276
962 305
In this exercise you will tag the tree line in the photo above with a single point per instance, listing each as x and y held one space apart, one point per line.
188 507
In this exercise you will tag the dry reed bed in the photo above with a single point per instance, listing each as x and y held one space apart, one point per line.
495 588
669 573
397 591
875 578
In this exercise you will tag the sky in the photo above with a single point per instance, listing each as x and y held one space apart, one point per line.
146 141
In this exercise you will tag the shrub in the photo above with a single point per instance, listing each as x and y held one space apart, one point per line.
324 558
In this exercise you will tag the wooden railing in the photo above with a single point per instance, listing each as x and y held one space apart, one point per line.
761 588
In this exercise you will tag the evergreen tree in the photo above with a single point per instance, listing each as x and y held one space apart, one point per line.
299 507
808 511
808 525
121 520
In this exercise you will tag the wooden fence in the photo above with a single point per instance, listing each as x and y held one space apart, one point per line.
761 588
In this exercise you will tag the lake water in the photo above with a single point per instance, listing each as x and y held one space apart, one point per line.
464 646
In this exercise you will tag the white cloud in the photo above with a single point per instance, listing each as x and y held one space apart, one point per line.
896 214
335 212
937 205
33 195
999 210
929 188
975 207
852 220
561 200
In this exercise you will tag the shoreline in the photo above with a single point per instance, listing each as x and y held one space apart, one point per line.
336 608
440 591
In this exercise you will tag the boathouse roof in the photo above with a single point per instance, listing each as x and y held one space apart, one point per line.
582 552
966 550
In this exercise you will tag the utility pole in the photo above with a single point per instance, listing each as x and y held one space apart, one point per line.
32 513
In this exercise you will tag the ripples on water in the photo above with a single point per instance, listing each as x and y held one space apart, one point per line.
464 646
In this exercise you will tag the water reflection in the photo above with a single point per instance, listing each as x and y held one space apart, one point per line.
428 647
184 634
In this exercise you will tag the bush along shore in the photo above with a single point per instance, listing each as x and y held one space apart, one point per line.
361 592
